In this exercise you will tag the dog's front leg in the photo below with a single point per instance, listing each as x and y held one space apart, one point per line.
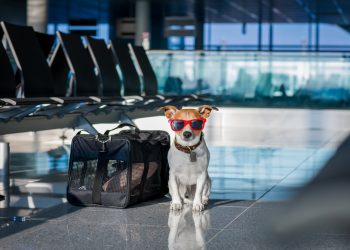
176 203
197 202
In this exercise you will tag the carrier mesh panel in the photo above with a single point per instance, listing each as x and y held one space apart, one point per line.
136 177
153 181
137 173
83 175
115 179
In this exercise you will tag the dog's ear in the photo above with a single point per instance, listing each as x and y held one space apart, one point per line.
169 111
205 110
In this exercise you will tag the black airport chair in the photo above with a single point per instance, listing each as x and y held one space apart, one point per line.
8 90
46 42
131 80
149 77
105 65
109 79
86 81
30 59
7 76
38 84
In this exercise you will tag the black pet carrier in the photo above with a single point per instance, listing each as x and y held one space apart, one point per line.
118 170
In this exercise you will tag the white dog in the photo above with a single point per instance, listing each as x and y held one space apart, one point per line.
188 157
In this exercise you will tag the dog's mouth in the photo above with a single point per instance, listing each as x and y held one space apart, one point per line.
187 139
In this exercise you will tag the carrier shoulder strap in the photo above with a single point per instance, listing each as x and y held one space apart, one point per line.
100 172
83 174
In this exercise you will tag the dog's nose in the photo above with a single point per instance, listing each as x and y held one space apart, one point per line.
187 134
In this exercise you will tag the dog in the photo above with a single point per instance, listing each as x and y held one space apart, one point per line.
188 157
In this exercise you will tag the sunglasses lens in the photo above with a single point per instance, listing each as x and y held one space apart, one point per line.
177 125
197 124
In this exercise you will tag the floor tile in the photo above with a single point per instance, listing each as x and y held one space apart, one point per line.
234 239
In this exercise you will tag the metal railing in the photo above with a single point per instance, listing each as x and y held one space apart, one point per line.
266 47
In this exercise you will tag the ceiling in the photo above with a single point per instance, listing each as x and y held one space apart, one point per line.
242 11
326 11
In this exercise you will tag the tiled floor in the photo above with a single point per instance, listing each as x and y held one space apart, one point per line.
259 158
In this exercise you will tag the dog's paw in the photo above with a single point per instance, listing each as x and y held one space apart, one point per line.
175 206
197 207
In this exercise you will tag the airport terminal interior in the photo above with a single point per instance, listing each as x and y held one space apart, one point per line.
278 71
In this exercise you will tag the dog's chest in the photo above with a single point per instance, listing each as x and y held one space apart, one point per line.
186 170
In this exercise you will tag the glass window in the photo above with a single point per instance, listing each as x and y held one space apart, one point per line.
231 35
333 35
293 36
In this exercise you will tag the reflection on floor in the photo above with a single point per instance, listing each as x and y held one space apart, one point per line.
259 157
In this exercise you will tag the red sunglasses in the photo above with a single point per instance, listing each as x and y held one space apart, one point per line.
195 124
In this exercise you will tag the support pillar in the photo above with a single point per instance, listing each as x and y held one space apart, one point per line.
37 14
200 19
317 35
310 34
142 20
260 26
271 25
158 40
4 174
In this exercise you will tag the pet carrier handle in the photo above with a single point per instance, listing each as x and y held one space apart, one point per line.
121 126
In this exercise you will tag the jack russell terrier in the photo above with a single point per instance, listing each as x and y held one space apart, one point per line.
188 157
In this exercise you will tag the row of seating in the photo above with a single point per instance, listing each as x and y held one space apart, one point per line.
60 74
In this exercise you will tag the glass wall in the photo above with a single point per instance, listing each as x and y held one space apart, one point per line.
301 78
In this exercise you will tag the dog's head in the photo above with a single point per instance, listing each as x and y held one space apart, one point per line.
187 123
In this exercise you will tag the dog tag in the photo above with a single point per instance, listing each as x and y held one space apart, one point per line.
193 156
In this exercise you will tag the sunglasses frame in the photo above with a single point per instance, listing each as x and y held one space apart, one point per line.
187 122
